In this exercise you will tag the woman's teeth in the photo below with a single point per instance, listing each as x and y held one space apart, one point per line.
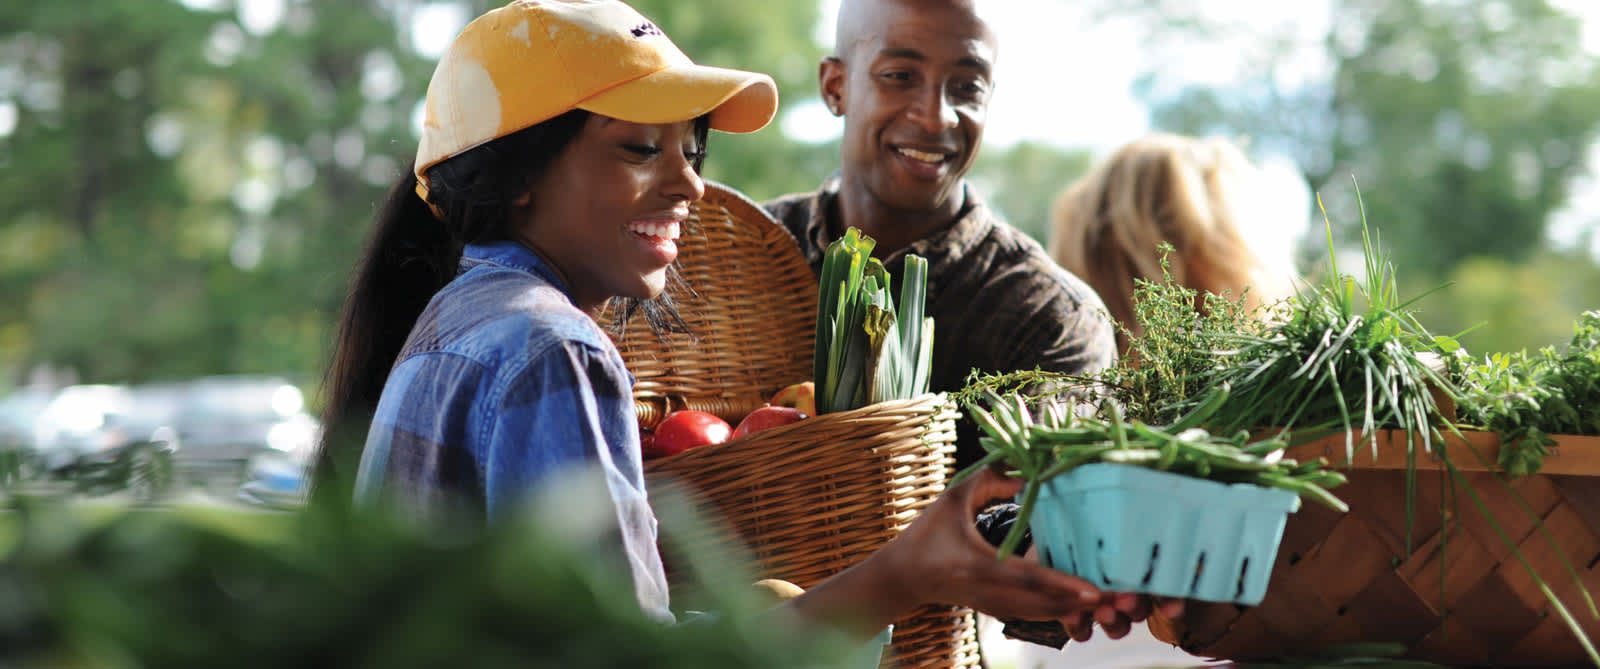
922 155
662 229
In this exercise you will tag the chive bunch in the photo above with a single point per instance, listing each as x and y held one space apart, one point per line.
1060 440
1347 357
867 351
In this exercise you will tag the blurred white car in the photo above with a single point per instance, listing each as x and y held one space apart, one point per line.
19 412
104 437
226 422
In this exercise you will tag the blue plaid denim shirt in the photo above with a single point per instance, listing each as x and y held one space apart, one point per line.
503 385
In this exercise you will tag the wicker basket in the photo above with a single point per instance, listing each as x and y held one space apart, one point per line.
807 499
1459 597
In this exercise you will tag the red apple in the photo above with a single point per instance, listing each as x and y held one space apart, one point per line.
802 396
768 417
686 429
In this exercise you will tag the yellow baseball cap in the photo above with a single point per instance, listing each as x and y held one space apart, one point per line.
533 60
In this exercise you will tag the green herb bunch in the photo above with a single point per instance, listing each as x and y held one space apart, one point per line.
1526 397
1181 343
1347 356
1061 440
1186 335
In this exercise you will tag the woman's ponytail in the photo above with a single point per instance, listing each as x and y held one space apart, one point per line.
410 255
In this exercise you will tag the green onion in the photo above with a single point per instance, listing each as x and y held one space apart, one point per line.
868 350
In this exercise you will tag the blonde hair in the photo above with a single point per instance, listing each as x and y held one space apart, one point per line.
1107 227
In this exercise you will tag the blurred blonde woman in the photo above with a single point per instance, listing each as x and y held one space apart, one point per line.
1188 192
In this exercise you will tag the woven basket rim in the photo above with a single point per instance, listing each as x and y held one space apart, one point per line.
739 204
1576 455
866 415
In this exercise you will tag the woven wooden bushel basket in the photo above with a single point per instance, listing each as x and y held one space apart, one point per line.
808 499
1458 598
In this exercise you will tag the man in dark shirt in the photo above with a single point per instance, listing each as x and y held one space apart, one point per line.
912 80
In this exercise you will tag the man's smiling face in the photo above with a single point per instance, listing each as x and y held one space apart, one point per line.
913 84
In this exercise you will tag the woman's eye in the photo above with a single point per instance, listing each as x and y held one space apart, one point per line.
642 150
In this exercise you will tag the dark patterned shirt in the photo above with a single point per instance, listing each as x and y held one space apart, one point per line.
505 386
998 301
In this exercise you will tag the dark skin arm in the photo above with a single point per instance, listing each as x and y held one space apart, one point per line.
942 558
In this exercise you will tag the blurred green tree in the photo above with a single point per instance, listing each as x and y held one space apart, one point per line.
1514 305
1465 125
189 183
187 186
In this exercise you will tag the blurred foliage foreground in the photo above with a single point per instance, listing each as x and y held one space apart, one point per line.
109 585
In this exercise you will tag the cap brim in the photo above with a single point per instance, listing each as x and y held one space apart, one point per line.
738 101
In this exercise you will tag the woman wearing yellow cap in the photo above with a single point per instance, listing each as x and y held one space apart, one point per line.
558 161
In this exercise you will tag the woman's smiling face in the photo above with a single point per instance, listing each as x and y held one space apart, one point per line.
608 210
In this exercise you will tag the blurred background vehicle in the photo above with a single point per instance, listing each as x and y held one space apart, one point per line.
215 433
226 423
102 437
18 413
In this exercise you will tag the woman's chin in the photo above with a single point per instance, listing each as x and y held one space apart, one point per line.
654 283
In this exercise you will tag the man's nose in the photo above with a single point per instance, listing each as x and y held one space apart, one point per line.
934 112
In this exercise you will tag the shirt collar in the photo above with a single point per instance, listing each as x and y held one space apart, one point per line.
513 255
949 245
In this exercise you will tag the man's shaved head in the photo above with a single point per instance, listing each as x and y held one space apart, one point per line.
860 18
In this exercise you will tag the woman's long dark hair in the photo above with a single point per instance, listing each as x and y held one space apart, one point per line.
410 255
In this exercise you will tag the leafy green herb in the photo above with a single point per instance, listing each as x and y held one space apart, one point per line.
1186 335
1526 397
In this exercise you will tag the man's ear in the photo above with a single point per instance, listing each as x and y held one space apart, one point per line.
830 78
524 199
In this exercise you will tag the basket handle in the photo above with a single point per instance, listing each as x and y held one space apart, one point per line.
652 408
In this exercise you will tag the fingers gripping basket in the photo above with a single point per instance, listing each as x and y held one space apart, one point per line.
807 499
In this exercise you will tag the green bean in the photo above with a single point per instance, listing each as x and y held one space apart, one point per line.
1030 495
1132 456
1037 448
1076 460
1197 416
987 421
1310 466
1067 435
1305 489
1169 454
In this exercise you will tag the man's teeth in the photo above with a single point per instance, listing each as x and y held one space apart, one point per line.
664 230
922 155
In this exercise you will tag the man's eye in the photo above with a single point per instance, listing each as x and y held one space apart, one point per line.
643 150
897 75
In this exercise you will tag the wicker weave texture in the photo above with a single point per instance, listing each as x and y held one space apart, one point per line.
1457 597
751 308
807 499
